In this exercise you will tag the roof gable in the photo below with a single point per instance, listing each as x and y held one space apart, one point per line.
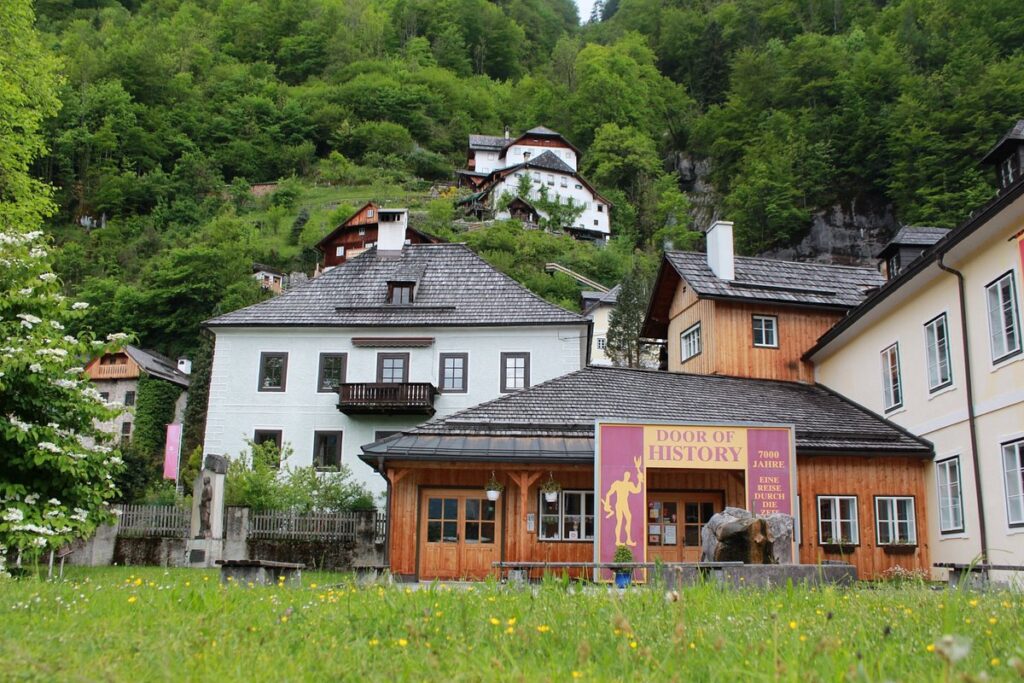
455 287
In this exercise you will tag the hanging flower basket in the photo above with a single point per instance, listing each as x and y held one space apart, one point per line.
493 488
551 489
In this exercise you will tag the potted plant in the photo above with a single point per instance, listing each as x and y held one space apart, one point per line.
623 576
551 489
493 487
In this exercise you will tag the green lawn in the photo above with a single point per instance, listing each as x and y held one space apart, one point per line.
129 624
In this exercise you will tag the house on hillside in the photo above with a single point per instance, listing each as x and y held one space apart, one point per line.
515 177
359 232
722 314
938 350
378 344
842 460
116 377
270 278
598 307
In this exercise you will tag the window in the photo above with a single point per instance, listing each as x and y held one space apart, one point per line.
766 331
1003 318
951 504
327 450
369 213
273 371
837 520
104 396
569 518
895 521
936 335
527 155
262 436
595 221
1013 470
602 342
129 398
332 372
339 252
564 181
600 208
892 387
689 342
126 431
454 373
892 266
1008 170
551 179
400 292
392 368
515 371
578 186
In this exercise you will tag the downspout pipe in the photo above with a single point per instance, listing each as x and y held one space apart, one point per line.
387 519
971 417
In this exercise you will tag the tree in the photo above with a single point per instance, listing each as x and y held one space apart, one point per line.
623 342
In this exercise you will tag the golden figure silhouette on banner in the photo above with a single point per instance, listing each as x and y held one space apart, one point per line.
621 489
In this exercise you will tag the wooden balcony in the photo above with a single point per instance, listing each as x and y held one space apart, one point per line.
370 398
113 371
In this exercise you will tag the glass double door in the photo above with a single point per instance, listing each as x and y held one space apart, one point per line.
675 522
459 534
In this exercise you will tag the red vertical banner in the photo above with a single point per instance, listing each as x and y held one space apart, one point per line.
622 493
770 479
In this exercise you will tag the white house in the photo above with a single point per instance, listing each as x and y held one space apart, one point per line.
598 306
381 343
489 153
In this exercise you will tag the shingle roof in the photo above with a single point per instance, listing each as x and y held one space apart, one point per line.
1015 135
555 420
543 130
592 300
494 142
913 236
551 162
780 281
455 287
157 365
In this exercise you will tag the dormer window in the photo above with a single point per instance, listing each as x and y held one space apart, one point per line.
1008 171
526 156
400 292
892 266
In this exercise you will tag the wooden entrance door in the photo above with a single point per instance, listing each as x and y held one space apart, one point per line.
460 534
675 522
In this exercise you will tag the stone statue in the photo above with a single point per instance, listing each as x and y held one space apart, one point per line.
205 502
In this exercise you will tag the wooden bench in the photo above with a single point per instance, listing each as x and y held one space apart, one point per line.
260 572
973 574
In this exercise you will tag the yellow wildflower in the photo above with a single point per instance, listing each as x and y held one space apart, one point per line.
543 628
132 600
402 642
495 621
792 625
374 642
632 644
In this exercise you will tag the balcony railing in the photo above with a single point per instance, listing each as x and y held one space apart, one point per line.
364 398
113 371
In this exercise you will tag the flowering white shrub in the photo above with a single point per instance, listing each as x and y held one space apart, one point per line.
55 466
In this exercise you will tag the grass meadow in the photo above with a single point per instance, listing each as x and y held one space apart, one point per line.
142 624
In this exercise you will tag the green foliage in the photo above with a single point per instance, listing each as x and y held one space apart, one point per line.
623 554
154 410
254 480
623 345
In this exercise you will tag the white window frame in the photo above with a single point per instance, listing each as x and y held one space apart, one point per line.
1001 331
687 347
949 495
369 213
563 534
889 529
339 251
602 343
1012 461
936 351
836 520
765 327
892 386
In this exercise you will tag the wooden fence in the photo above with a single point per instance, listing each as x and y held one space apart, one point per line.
154 520
315 526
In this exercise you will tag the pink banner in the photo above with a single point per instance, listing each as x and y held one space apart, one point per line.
623 493
172 451
769 480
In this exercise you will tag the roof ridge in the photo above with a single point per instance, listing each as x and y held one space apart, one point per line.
775 260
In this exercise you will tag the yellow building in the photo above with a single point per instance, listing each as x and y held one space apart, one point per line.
938 350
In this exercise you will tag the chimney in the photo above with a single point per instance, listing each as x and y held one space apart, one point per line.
391 229
185 366
506 132
720 254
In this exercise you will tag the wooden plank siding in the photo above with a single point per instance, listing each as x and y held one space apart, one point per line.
123 368
865 477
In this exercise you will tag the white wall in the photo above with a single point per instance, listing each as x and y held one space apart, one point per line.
487 161
595 213
600 315
853 367
237 409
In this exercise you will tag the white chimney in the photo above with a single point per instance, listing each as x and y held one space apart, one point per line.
721 259
391 228
185 366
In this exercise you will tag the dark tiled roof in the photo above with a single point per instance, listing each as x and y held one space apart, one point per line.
493 142
764 279
551 162
455 287
914 236
556 419
157 365
1015 135
592 300
543 130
